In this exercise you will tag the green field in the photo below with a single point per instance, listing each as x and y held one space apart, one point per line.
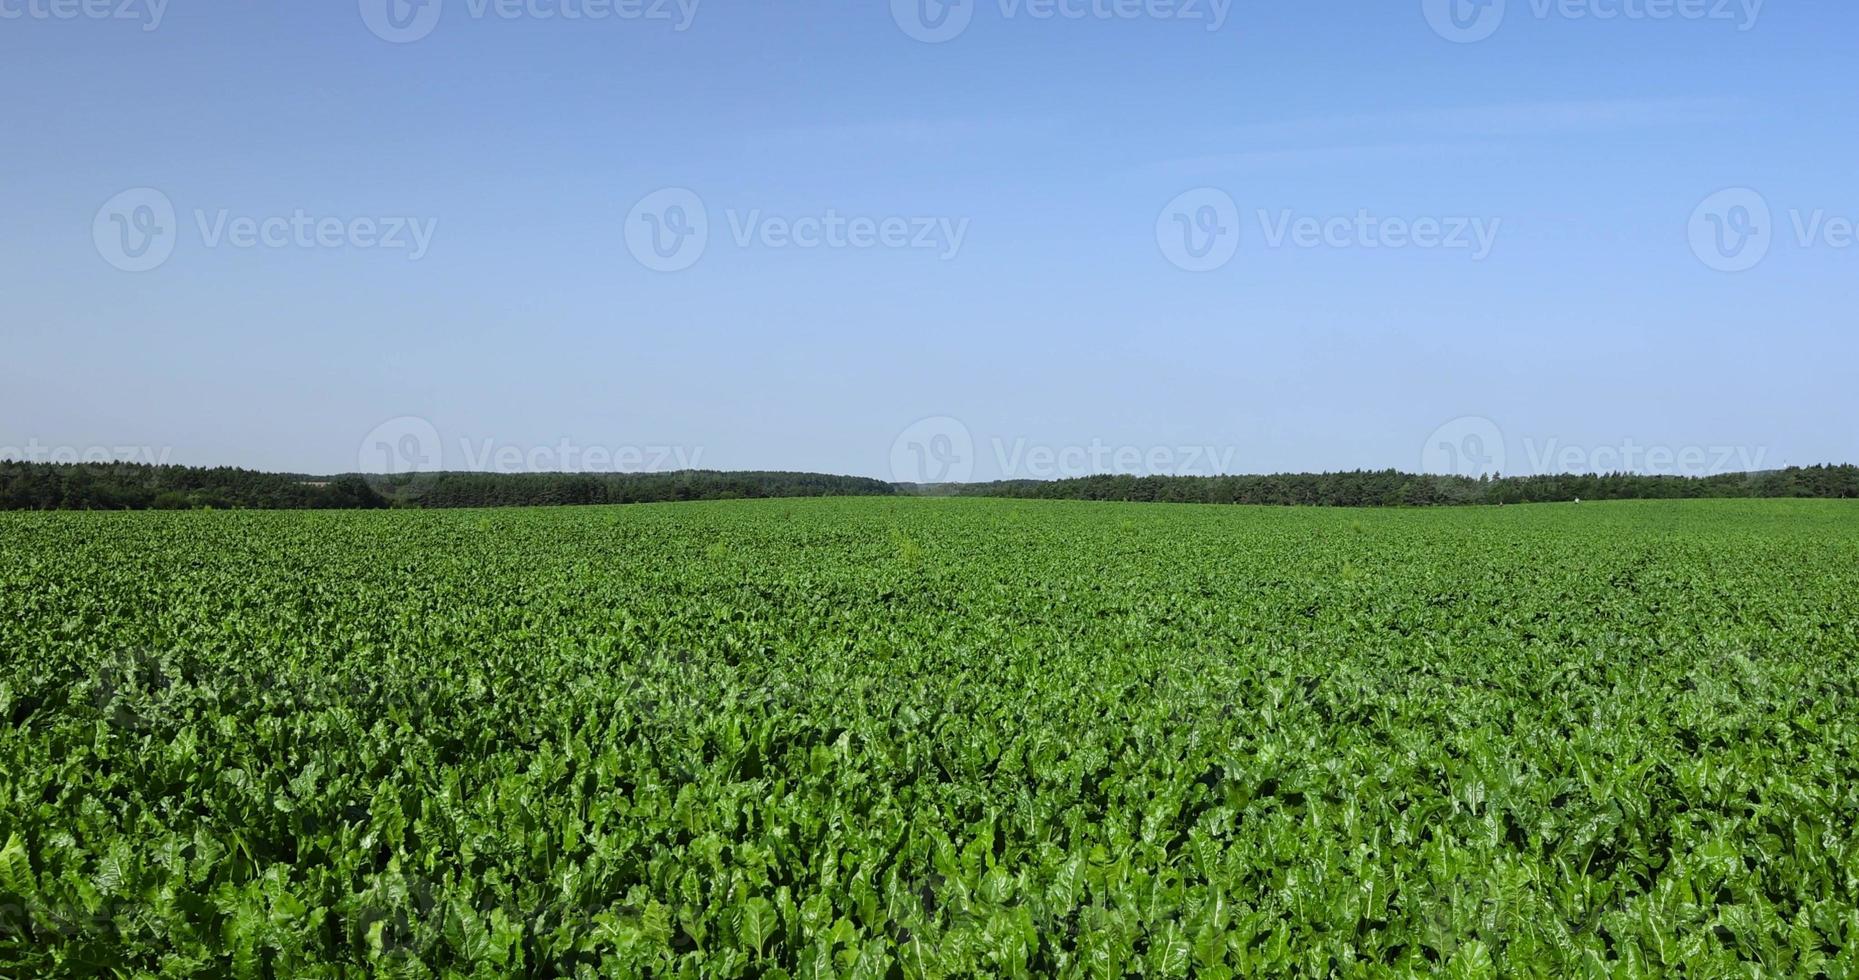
924 738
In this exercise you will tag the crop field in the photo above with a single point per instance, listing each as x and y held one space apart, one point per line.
932 738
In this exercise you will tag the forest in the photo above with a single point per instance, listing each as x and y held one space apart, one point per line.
1391 488
134 486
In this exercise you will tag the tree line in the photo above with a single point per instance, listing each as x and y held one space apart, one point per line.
139 486
1391 488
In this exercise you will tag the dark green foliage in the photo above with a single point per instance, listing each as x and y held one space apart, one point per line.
932 738
131 486
1389 488
352 493
556 489
124 486
137 486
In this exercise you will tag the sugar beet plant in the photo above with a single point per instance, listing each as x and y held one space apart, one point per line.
932 738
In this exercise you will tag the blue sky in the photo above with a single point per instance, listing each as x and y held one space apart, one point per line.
484 279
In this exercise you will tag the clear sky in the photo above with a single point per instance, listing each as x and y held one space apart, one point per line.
1304 236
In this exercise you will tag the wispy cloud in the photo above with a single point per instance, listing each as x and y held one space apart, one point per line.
1436 132
906 132
1514 119
1316 156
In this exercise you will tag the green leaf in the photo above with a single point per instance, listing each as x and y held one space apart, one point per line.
16 869
755 922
